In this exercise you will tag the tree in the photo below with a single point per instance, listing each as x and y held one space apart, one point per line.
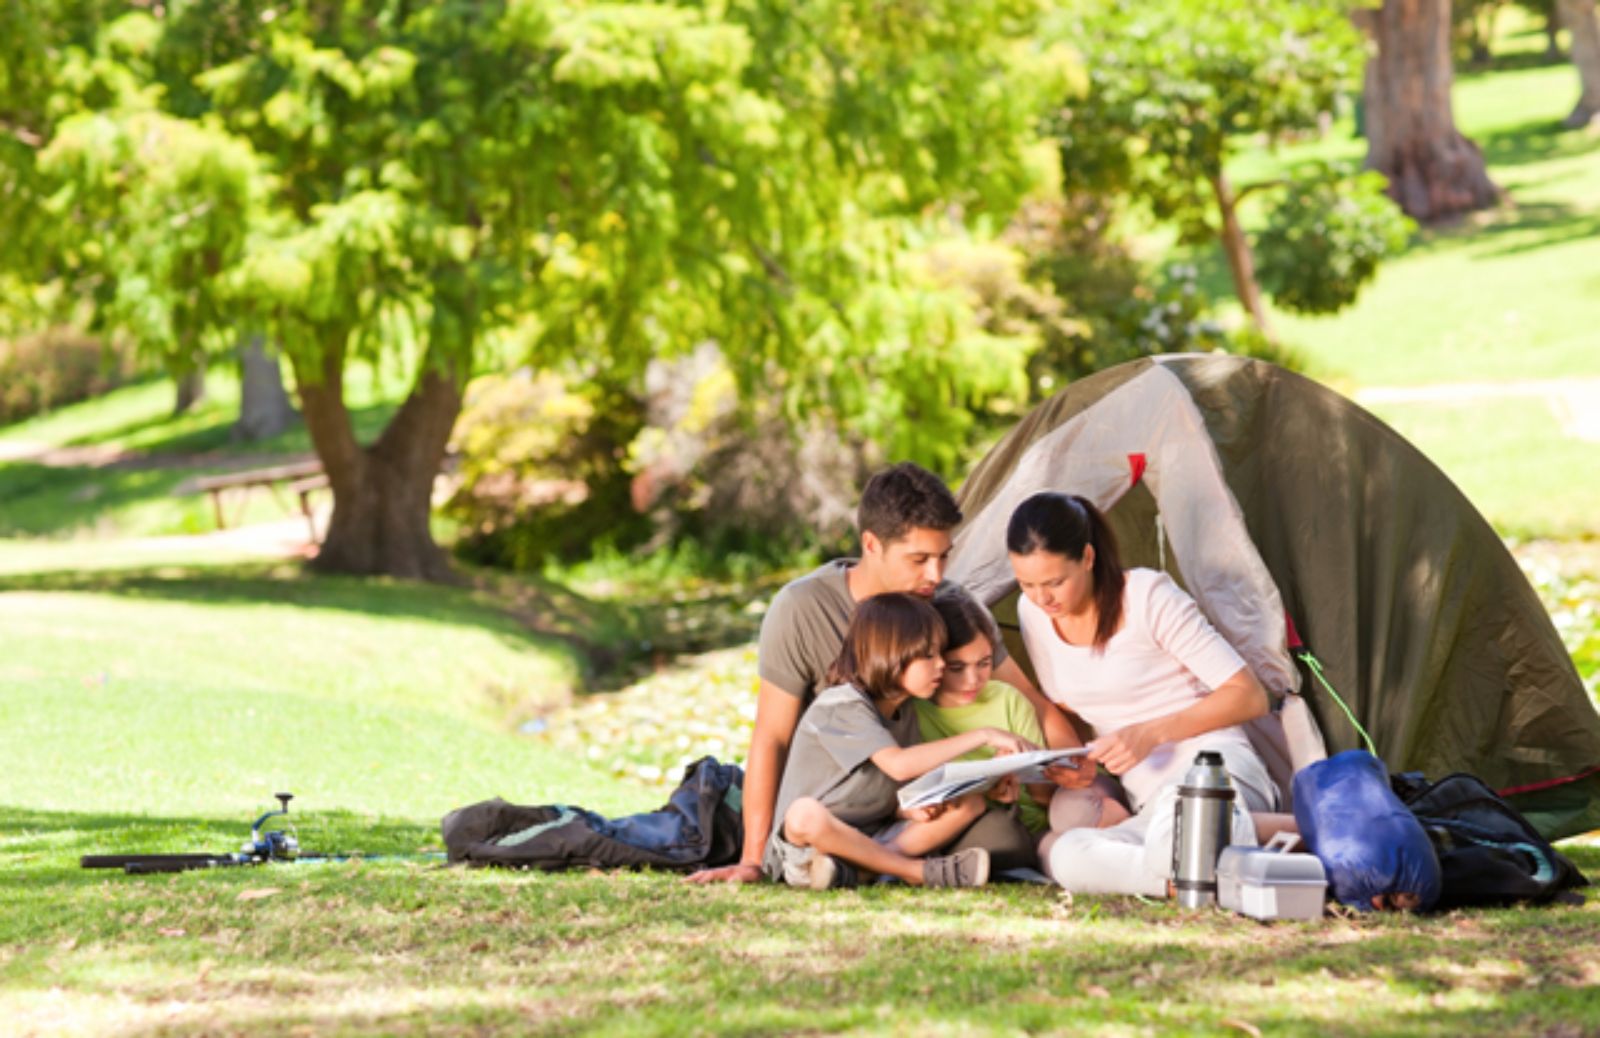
148 210
595 184
117 202
1176 86
1580 19
1434 172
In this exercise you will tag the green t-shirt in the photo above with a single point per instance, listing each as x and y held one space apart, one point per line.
998 706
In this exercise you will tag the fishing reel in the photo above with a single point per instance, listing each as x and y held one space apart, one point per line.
275 844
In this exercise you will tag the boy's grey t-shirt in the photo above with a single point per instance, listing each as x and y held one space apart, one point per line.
831 758
804 630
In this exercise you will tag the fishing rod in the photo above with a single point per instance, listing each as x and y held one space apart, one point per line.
274 846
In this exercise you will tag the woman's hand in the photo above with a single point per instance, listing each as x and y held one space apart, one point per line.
1005 791
1123 749
1003 742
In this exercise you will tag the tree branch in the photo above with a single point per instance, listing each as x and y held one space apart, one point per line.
1248 189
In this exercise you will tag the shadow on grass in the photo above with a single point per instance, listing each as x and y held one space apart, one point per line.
616 641
215 438
42 849
647 955
1534 141
1511 61
45 500
555 611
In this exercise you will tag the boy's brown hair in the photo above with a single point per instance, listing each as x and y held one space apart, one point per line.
887 633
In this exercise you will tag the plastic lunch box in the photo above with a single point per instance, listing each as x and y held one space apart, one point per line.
1270 883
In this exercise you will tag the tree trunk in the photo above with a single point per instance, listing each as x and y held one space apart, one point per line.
1580 19
264 406
190 388
1240 262
1434 172
381 493
1552 27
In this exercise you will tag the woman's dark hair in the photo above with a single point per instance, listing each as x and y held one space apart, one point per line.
1064 524
965 619
887 633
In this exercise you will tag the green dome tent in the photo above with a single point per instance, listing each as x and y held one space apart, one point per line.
1283 507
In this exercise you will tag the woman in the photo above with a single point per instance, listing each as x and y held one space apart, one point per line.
1132 655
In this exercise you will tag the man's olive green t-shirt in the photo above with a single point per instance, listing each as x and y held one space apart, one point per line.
804 630
998 706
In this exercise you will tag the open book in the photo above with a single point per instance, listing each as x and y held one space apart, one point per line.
967 776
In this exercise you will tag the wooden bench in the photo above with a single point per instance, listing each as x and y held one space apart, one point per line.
300 477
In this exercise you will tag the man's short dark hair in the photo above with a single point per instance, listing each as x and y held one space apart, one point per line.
903 497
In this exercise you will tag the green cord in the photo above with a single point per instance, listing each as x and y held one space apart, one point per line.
1315 666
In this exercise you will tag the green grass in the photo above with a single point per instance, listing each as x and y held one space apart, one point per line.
156 709
201 692
1512 459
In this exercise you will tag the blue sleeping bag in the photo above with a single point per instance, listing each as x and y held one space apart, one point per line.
1370 843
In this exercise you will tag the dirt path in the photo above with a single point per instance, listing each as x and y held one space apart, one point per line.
1575 402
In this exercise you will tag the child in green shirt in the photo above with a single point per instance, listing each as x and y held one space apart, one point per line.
967 700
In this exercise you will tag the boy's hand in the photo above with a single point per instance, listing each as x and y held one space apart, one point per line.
1004 743
728 874
1067 776
1005 791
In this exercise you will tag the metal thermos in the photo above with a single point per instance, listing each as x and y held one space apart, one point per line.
1202 828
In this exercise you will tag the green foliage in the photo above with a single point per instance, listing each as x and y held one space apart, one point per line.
539 469
157 208
1175 90
1325 238
1175 85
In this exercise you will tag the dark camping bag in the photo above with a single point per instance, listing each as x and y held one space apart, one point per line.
699 826
1488 853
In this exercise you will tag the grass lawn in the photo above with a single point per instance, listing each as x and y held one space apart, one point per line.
157 709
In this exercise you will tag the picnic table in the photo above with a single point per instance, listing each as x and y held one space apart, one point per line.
300 478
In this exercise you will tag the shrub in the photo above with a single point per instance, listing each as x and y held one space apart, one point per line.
53 368
540 469
1323 242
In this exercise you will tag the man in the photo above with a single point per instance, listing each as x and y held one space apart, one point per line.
905 518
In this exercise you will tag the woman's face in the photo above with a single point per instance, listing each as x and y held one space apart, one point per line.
921 677
1056 584
966 671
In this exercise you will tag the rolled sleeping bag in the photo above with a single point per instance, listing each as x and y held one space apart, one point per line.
1368 841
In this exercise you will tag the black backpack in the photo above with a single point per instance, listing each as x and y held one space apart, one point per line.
1488 852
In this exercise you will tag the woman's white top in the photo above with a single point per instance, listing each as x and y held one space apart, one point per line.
1165 657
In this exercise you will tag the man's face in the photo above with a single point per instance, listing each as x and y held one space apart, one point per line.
914 562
